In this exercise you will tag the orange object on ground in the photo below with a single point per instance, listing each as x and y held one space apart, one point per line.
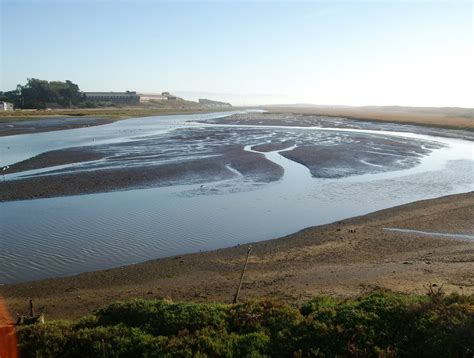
8 341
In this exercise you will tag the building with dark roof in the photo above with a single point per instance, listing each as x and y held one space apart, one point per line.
128 97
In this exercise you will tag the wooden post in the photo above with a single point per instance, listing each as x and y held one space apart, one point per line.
32 309
236 297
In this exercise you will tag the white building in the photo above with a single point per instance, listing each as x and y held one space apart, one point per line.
6 106
147 97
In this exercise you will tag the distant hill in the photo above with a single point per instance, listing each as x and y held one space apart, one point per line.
210 103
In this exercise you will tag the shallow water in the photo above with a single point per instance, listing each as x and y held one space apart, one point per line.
431 233
67 235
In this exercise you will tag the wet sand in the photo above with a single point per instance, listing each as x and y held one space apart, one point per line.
200 155
55 158
193 171
356 158
311 117
344 258
15 126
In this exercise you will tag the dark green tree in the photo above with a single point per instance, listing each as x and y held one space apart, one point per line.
39 93
13 96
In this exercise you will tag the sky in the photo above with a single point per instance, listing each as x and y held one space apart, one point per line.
413 53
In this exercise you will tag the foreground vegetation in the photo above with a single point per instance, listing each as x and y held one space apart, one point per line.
378 324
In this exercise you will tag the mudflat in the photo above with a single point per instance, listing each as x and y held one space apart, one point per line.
15 125
344 258
200 155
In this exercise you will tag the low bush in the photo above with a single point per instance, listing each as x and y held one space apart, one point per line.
378 324
161 317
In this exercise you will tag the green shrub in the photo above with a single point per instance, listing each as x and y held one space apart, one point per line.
160 317
45 340
253 345
445 325
280 322
378 324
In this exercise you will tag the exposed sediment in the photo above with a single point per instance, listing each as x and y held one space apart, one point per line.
344 258
208 154
75 180
48 124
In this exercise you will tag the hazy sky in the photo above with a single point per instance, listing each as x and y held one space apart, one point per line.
325 52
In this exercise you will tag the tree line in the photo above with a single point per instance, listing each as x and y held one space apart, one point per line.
40 94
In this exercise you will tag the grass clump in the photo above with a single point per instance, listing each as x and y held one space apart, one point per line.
377 324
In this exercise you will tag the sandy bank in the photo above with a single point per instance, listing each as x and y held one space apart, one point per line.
343 258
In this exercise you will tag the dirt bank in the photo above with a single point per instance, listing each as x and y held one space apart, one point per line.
343 258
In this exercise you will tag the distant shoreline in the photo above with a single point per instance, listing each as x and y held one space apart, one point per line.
449 118
27 122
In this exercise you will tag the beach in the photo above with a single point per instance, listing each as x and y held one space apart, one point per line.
344 258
